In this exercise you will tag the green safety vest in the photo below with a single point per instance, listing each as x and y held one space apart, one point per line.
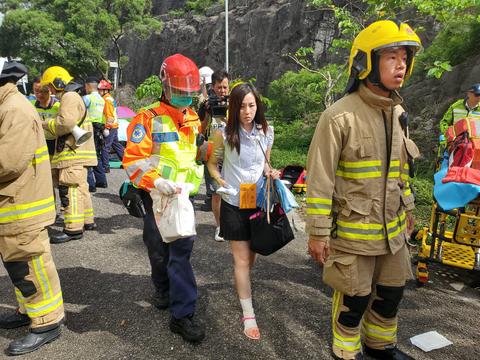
177 159
95 109
46 115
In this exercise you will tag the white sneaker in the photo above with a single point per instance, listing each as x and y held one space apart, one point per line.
217 235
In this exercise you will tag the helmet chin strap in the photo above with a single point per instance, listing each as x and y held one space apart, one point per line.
374 76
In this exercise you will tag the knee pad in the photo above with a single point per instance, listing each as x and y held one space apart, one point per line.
18 270
387 305
357 306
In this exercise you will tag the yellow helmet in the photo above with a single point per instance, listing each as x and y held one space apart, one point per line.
380 35
56 76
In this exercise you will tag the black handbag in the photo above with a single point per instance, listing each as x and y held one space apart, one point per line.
270 231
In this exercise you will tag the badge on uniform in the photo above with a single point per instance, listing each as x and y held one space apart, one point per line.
138 133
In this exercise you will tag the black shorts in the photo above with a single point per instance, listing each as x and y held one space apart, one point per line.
234 222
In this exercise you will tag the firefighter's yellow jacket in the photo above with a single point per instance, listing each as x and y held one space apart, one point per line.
26 196
358 191
70 113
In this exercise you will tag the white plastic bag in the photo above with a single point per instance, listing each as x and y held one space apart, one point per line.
174 214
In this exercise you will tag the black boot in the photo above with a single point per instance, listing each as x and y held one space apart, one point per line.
34 340
64 237
160 301
390 352
90 227
14 320
188 328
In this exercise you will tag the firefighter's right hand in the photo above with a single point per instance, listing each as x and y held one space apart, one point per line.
165 186
319 249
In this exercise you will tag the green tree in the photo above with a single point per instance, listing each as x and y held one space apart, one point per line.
76 34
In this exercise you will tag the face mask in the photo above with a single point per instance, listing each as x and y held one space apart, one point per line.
181 101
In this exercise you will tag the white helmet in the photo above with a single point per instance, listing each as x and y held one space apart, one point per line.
206 74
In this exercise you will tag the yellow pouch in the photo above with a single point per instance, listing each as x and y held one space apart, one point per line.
248 196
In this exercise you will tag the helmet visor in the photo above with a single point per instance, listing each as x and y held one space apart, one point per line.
182 85
415 46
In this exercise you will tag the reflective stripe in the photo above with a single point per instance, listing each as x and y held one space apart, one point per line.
40 308
394 169
24 211
50 301
377 332
40 156
132 170
71 155
396 226
360 231
70 219
408 191
41 276
349 344
406 172
88 212
319 206
52 127
359 169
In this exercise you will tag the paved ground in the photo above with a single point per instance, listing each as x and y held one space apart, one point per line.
106 285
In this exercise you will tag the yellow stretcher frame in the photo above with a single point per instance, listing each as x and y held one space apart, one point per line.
453 239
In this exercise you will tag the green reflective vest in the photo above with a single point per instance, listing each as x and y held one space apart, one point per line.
46 114
95 108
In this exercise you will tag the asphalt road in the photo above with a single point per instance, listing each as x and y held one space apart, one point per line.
107 291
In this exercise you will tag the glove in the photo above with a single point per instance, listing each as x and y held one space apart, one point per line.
165 186
106 132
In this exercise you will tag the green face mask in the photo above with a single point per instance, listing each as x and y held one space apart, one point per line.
181 101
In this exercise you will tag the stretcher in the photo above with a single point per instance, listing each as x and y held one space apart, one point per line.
453 236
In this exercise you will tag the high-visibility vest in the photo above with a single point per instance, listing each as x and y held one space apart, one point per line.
176 160
166 150
47 114
95 108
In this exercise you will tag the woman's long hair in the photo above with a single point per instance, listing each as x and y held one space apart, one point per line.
235 99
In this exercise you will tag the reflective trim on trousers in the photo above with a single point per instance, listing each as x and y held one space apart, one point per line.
349 344
377 332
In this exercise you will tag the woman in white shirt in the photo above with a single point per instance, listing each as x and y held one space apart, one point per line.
243 144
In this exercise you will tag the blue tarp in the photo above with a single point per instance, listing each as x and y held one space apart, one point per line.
453 195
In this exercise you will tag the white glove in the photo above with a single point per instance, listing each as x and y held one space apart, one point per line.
165 186
106 132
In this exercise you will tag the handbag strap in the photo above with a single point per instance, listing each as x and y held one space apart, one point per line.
268 200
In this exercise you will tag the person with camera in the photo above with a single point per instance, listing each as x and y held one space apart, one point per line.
161 154
95 105
213 115
70 161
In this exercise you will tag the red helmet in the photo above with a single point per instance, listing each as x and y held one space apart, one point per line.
180 75
104 85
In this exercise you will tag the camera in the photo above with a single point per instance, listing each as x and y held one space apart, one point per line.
218 105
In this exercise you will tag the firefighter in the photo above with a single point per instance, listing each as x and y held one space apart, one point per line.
70 161
111 124
161 151
359 200
26 208
95 103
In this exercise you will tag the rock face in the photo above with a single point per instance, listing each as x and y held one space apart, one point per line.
261 33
